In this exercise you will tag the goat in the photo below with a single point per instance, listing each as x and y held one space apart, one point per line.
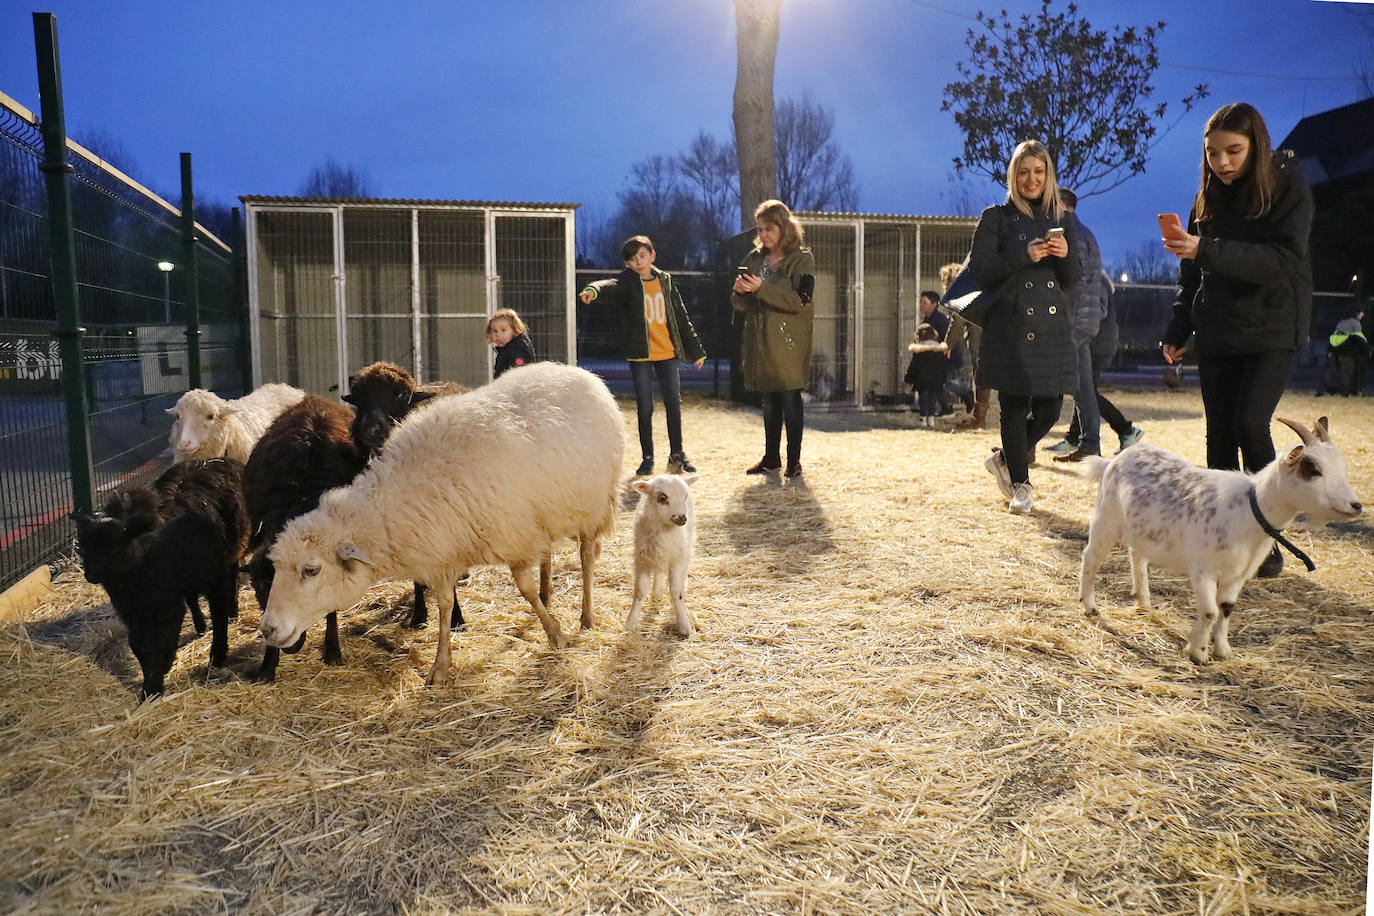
665 536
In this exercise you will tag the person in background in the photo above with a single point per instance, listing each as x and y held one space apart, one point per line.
656 336
510 339
929 303
1244 287
927 371
967 337
774 292
1026 352
1350 351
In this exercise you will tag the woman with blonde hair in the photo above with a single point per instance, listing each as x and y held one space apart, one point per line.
1022 249
774 291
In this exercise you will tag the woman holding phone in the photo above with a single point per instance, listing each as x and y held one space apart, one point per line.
1026 353
773 290
1244 287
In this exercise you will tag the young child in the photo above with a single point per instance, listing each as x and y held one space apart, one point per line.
656 335
928 370
508 336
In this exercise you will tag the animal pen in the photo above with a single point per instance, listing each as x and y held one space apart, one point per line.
870 270
335 284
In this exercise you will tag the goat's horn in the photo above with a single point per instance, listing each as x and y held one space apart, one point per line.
1303 432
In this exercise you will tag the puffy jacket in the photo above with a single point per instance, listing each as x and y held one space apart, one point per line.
775 345
1088 297
626 290
1249 289
1026 348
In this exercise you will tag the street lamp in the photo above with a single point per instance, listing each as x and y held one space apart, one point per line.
1125 278
166 267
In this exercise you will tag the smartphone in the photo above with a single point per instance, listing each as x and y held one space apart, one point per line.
1056 233
743 271
1169 225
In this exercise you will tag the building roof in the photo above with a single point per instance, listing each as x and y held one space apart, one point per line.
401 202
1335 144
924 219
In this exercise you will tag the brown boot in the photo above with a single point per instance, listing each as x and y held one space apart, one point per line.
982 398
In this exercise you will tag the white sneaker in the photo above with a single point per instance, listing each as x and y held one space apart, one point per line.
997 467
1023 500
1131 438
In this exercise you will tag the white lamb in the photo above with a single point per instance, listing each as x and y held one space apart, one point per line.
665 536
1204 522
492 477
207 426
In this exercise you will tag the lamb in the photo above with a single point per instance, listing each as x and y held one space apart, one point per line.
665 536
382 395
493 477
1206 522
207 426
155 550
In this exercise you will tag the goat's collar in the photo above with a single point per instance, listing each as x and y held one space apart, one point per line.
1276 534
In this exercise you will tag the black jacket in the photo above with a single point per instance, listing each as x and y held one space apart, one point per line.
1249 289
1026 348
516 353
626 290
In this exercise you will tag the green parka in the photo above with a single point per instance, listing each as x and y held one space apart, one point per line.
775 345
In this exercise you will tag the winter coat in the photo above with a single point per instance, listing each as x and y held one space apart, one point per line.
942 325
929 366
1108 339
1026 348
517 352
1088 298
626 290
1249 289
775 345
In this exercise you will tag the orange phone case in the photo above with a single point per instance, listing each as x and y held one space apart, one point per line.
1169 224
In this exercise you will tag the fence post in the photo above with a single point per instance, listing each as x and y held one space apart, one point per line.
189 241
243 348
63 253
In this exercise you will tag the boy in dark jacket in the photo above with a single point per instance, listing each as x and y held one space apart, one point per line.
656 336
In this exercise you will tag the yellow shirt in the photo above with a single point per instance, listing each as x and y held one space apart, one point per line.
656 320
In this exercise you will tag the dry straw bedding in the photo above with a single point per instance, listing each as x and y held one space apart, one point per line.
894 705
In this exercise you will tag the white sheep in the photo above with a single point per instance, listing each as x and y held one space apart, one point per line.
1202 522
492 477
207 426
665 536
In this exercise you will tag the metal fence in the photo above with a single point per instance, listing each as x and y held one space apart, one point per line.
135 341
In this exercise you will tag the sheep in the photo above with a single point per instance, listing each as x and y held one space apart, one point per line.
493 477
665 536
383 394
1204 522
207 426
307 450
154 550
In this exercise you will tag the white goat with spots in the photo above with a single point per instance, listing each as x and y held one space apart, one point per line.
665 536
1200 522
207 426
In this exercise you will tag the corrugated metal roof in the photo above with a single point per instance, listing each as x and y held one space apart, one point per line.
404 202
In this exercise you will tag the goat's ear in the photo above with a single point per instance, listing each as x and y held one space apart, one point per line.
350 553
641 485
172 411
348 399
691 480
419 397
1291 460
1322 429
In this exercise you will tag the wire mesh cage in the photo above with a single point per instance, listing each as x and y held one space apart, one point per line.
336 284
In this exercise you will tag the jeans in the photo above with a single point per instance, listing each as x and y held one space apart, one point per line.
1239 394
642 371
1024 423
929 401
1109 412
779 408
1085 399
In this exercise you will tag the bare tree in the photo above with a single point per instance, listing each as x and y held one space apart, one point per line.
335 179
710 170
813 173
756 28
1148 262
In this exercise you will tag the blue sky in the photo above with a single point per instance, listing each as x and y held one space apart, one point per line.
553 101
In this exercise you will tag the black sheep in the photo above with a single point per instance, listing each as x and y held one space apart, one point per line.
156 550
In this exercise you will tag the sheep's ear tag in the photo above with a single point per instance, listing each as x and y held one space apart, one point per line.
349 552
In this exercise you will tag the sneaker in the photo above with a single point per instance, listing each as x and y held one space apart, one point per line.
766 466
678 463
794 469
646 467
1077 454
1023 499
1131 438
1062 447
997 467
1272 565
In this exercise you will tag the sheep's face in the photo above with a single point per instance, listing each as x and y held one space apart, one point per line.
667 498
380 406
313 575
103 546
199 422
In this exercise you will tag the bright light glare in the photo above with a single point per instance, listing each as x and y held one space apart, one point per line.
165 266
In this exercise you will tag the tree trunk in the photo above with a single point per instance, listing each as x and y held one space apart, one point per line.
756 25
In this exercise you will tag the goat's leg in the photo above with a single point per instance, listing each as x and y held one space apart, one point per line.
1227 593
526 579
1205 586
589 547
1099 545
1140 579
546 578
419 615
644 581
443 653
677 579
333 655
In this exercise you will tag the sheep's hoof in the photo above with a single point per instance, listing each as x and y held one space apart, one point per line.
438 677
1089 610
1197 657
263 676
333 657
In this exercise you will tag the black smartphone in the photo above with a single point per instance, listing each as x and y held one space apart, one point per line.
743 271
